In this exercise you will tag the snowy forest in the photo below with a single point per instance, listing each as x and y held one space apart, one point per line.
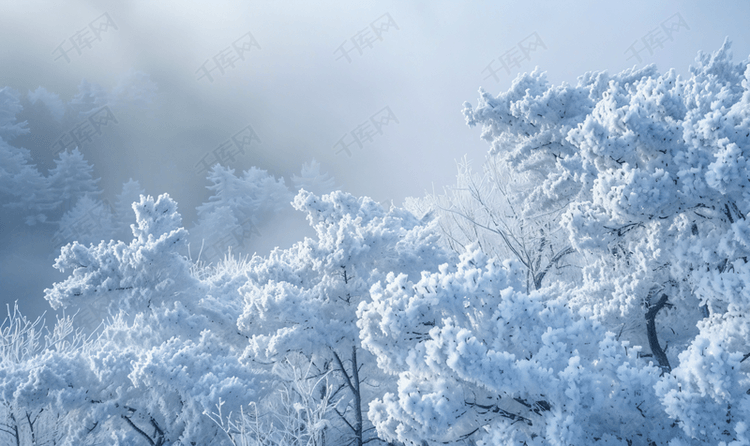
587 284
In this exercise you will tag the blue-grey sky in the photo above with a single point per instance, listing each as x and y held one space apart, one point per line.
302 84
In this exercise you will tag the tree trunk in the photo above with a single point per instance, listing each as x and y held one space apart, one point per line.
357 397
352 382
653 341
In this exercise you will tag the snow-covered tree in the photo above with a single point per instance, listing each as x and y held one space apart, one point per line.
90 97
297 413
478 358
52 101
238 206
10 106
22 187
172 349
89 221
304 299
71 179
255 191
134 89
488 209
36 364
653 168
310 179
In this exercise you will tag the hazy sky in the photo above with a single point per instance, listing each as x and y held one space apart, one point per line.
303 85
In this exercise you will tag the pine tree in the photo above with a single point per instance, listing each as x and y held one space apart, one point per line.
171 348
70 179
89 98
238 206
22 186
305 299
88 222
312 180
